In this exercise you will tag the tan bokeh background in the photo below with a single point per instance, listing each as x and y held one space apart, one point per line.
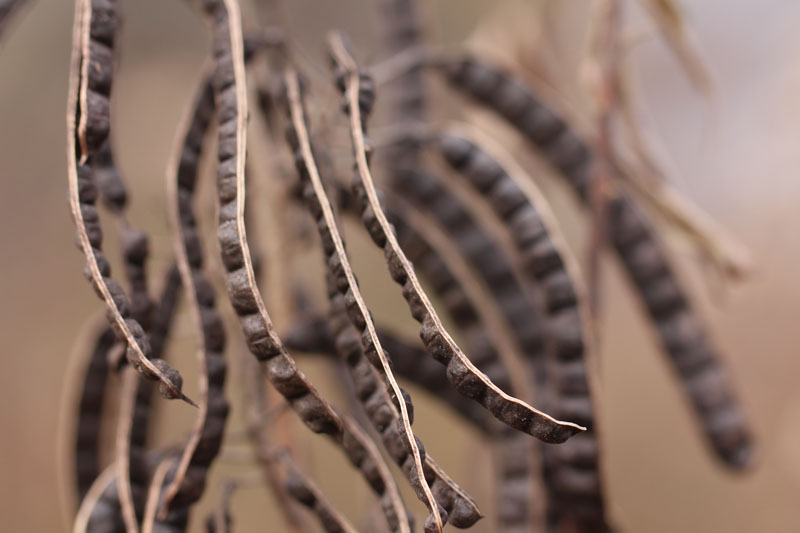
738 158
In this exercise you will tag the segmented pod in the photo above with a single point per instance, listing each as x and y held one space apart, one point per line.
679 328
573 470
359 97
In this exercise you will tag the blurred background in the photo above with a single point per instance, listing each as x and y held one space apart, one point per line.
735 155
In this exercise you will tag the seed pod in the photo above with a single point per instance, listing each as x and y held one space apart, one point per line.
516 457
461 372
188 479
339 268
95 21
635 241
262 340
7 10
384 412
545 263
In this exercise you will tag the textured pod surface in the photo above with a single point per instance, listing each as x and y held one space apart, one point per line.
187 482
571 505
642 255
259 332
461 372
343 281
383 411
96 21
516 473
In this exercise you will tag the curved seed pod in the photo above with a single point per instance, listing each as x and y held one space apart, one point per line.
461 372
345 282
95 23
517 509
413 363
691 352
454 504
486 258
682 334
93 391
132 421
132 424
187 482
262 340
573 470
516 456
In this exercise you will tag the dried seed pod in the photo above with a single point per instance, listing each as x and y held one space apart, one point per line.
188 479
635 241
132 435
545 263
91 404
517 457
461 372
95 22
383 410
259 332
339 267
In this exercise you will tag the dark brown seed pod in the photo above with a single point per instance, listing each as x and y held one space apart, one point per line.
259 332
131 439
188 480
98 25
635 241
339 267
546 265
82 194
461 372
91 404
384 412
438 260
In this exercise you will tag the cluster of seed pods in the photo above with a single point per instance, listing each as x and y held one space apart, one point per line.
476 231
632 235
